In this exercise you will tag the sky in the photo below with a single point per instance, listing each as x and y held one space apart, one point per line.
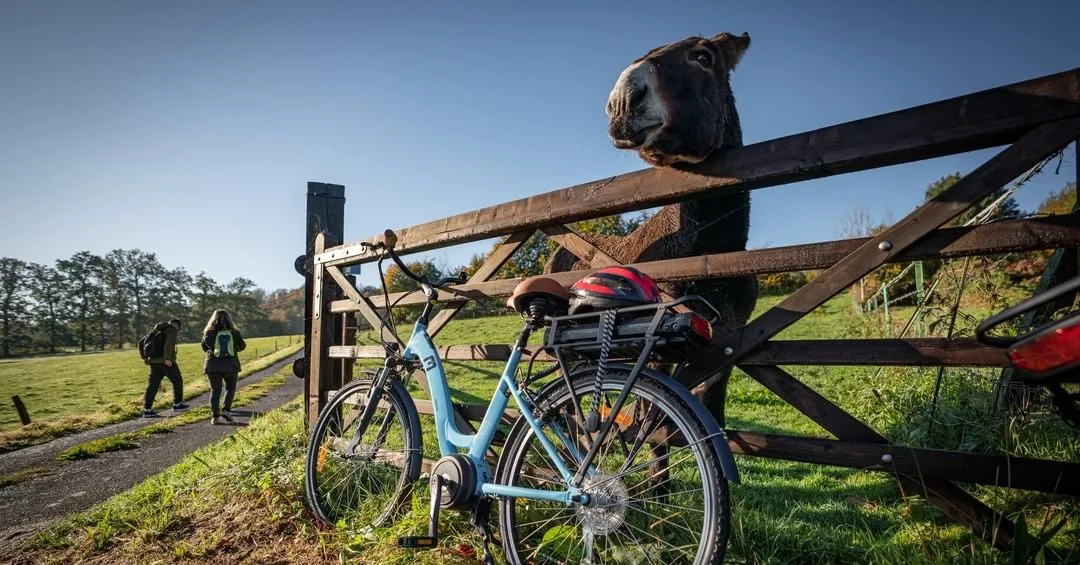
162 126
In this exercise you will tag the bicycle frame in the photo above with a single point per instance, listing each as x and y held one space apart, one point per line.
452 440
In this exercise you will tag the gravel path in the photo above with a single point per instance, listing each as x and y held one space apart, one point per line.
30 505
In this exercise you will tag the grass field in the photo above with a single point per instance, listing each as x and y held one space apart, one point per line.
129 440
783 512
68 393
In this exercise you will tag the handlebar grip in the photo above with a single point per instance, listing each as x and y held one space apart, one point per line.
390 238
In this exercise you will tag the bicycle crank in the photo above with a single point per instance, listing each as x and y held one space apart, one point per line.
432 539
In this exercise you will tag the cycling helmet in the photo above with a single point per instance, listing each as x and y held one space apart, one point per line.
613 287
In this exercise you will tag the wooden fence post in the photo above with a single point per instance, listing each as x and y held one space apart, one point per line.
24 416
326 215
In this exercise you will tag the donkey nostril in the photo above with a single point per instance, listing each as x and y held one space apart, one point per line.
638 95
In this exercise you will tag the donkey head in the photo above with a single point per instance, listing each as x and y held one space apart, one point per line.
675 104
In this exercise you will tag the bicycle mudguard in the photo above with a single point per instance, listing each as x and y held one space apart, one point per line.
712 428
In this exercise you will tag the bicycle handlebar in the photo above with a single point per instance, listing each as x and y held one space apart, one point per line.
390 241
982 331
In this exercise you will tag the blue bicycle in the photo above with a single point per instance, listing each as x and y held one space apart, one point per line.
609 461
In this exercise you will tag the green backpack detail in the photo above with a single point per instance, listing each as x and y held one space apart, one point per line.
224 345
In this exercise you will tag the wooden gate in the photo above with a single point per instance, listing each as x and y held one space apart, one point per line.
1032 120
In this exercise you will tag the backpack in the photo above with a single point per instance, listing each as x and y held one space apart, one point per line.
224 345
152 344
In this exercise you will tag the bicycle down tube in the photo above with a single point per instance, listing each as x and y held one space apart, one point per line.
451 439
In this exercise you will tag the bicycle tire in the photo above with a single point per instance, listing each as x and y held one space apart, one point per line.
657 389
404 411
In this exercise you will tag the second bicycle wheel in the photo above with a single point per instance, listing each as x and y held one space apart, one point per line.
363 476
657 491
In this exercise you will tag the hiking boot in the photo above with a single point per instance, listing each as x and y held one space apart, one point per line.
226 416
149 414
180 406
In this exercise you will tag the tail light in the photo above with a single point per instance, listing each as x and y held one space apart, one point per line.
1050 351
701 326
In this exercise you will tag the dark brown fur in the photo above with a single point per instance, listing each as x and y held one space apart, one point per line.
701 119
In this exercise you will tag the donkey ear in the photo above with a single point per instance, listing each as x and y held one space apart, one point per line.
732 46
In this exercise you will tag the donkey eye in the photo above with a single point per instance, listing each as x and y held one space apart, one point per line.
703 58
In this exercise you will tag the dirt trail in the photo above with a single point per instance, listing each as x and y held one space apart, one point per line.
32 504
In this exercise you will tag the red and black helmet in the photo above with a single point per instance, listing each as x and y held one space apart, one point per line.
613 287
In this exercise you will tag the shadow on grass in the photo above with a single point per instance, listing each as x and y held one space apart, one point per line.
802 513
247 413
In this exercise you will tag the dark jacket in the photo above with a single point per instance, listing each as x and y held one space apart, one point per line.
224 364
170 345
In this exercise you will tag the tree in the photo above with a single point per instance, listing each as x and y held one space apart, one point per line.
13 304
84 295
397 281
203 296
1008 209
1028 268
242 299
47 286
1060 202
530 259
856 223
141 275
114 271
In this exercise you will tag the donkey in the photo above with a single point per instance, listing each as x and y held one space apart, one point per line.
675 107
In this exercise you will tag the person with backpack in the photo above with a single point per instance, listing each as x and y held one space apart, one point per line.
158 350
222 343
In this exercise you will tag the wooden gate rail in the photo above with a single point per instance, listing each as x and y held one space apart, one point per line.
914 352
1032 234
981 120
1033 119
1037 475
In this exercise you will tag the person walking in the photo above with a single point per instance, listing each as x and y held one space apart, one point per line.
222 343
158 349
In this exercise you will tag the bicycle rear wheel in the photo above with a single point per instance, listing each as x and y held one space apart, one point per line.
363 476
658 492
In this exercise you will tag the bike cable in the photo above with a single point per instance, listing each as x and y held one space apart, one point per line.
607 328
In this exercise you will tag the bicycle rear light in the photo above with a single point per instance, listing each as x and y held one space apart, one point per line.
1050 351
701 326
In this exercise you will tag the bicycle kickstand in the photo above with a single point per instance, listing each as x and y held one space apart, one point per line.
432 539
479 518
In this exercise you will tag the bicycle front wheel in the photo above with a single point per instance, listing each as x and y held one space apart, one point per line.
363 475
657 493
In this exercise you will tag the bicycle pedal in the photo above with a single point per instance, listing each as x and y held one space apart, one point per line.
417 542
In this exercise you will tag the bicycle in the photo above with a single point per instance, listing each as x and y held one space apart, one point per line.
591 471
1048 355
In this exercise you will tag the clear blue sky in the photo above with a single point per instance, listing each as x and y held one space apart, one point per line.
157 125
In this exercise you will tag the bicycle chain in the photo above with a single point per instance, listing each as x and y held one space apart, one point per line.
607 328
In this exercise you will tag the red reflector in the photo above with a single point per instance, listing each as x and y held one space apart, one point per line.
1050 351
700 326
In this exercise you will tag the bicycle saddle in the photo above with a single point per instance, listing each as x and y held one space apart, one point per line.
538 287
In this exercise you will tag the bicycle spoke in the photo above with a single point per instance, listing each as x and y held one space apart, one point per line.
646 502
361 472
